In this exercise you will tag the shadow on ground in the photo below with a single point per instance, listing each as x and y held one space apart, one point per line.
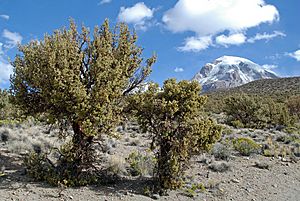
15 178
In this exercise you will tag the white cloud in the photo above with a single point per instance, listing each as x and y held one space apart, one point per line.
136 15
233 39
104 1
206 17
196 44
212 17
6 17
269 66
266 36
5 70
178 70
295 55
5 67
14 38
1 49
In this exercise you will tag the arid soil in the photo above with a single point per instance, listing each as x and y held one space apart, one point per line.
235 177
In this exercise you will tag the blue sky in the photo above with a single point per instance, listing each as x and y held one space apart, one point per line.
185 34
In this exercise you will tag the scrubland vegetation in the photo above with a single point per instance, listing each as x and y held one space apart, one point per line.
74 98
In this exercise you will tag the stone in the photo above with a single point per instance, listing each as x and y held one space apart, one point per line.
235 181
155 196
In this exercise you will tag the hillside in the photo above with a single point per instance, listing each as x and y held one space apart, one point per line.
270 87
279 89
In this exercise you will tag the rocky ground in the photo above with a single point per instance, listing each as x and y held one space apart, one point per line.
269 172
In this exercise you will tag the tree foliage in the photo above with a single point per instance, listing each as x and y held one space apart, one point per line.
8 113
293 105
255 112
79 79
173 115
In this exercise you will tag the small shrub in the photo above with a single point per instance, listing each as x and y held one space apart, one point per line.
117 165
219 166
221 151
237 124
292 130
41 168
141 164
293 105
246 146
4 136
296 150
262 165
194 189
268 153
227 131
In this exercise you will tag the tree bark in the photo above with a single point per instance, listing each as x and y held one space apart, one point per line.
82 148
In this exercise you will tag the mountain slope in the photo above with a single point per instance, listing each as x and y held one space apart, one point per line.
279 89
229 71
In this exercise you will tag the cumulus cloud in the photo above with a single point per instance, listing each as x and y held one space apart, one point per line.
196 44
138 15
5 70
233 39
13 38
266 36
295 55
178 70
6 17
5 67
212 17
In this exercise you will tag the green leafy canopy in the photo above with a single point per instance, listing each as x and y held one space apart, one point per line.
80 77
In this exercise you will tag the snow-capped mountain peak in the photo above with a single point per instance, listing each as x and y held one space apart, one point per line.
230 71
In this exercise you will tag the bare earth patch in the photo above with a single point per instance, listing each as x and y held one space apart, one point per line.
254 177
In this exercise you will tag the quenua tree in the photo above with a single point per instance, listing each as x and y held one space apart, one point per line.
79 80
174 117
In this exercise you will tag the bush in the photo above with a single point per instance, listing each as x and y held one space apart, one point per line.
293 105
253 112
173 115
221 151
8 112
246 146
141 164
219 166
117 165
59 170
79 80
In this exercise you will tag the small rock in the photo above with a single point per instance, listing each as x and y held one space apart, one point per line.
155 196
71 197
235 181
275 185
262 165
